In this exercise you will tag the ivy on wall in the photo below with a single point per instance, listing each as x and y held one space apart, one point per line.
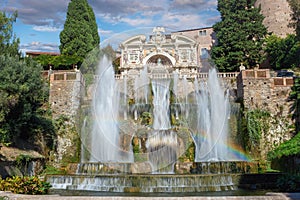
256 123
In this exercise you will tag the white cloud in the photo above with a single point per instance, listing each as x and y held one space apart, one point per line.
199 5
182 21
46 29
137 21
105 32
39 46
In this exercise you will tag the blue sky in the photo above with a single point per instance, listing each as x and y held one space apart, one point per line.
39 22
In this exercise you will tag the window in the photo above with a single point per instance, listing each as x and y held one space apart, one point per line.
204 53
202 32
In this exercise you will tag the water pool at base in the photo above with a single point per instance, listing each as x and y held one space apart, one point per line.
239 192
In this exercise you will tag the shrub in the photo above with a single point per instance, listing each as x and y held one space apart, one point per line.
24 185
288 183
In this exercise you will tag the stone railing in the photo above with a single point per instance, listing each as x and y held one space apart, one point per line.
181 76
283 81
260 73
65 75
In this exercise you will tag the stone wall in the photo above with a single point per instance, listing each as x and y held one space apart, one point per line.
66 95
277 16
258 90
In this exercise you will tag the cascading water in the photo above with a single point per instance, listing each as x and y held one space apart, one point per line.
162 142
175 92
105 133
125 98
213 111
141 92
185 105
161 103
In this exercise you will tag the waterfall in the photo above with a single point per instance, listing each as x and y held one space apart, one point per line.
185 103
161 102
175 92
162 142
125 98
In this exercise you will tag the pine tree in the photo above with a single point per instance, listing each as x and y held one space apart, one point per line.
240 35
80 33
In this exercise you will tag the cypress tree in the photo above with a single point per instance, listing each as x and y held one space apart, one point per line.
80 33
240 35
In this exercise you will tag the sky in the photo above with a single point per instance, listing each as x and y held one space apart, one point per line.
39 22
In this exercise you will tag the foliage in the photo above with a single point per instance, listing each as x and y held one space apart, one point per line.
24 185
22 95
61 62
295 96
138 154
189 154
80 33
65 128
146 118
90 63
257 123
52 170
240 35
283 52
295 6
288 183
8 41
288 148
116 65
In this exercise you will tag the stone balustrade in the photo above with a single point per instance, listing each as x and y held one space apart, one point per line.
181 76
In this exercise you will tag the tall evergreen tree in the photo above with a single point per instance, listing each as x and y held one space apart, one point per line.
240 35
80 33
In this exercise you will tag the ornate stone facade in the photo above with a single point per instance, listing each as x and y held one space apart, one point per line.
184 51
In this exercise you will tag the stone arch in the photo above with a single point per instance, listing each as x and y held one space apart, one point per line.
166 58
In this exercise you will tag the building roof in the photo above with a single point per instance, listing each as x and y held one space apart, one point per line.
37 53
195 29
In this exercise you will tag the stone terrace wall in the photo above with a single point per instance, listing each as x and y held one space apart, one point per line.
66 93
259 90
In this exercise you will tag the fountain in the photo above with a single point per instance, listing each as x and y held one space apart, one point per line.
112 164
133 145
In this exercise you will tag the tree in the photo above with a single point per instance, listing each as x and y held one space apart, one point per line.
240 35
295 6
80 33
22 93
295 97
8 42
283 53
61 62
